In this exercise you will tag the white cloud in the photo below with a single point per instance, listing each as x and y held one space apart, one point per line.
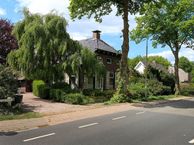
2 12
189 53
80 28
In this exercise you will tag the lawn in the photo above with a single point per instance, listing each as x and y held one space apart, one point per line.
19 114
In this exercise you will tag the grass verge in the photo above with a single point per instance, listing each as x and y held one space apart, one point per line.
26 115
164 97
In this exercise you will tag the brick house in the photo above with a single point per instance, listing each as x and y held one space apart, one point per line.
110 58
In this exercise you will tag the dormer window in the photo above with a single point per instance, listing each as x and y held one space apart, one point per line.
109 61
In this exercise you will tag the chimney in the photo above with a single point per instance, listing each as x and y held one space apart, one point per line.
96 34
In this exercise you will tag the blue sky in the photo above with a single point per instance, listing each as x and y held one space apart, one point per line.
80 29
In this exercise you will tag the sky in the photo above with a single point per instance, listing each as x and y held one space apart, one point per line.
111 26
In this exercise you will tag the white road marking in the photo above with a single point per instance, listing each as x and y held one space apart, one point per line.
38 137
117 118
191 141
88 125
138 113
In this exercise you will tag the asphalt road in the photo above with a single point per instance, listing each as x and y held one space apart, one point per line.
166 124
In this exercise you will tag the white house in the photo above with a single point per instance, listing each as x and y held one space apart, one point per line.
140 68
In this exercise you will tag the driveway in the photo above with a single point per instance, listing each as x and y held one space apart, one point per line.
47 107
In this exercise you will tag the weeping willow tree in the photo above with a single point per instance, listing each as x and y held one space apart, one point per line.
43 46
46 50
83 63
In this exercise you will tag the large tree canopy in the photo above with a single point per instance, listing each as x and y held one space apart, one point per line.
170 24
185 64
99 8
7 40
44 45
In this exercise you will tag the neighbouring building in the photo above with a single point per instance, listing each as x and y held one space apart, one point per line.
183 76
140 67
110 58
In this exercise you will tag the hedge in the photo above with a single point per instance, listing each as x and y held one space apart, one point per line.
37 85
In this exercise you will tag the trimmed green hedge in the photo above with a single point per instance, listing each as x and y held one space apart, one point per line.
62 92
40 89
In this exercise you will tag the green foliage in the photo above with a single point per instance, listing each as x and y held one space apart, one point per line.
43 91
119 98
99 95
44 45
36 87
63 86
154 88
157 88
134 61
187 90
86 61
157 59
16 114
138 91
99 8
8 82
185 64
77 98
163 97
57 95
167 80
168 24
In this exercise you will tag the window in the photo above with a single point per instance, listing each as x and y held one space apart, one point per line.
109 61
99 58
111 78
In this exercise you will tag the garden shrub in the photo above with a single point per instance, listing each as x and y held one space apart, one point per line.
99 95
35 85
154 88
8 82
161 76
63 86
137 91
168 80
96 93
8 88
120 98
43 91
57 95
187 90
74 98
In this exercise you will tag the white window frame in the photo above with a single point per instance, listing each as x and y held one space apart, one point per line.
108 59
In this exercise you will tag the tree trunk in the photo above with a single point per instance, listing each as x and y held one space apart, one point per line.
176 68
125 49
